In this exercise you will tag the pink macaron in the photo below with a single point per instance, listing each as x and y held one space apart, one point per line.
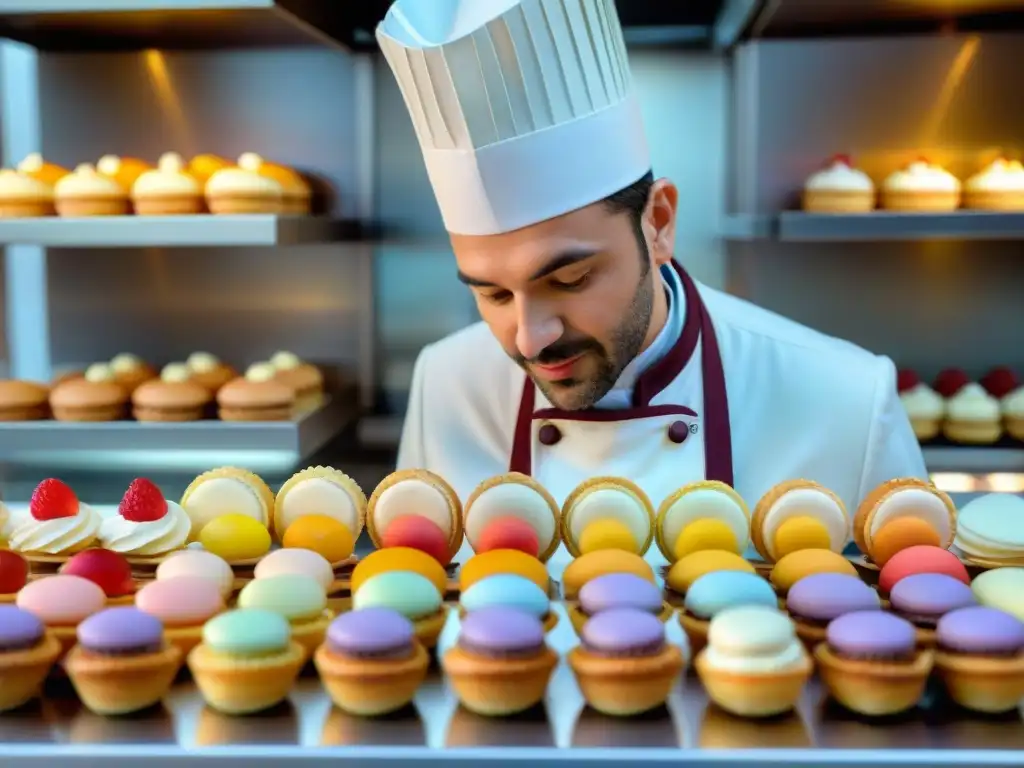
181 601
61 600
920 559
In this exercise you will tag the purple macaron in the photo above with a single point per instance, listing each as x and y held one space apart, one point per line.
501 632
928 596
871 635
826 596
371 632
623 632
19 629
980 630
117 631
619 590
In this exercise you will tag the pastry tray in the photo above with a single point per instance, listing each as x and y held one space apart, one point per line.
307 730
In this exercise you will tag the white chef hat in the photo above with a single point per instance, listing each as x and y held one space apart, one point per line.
523 109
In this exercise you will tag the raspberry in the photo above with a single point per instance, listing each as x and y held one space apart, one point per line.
906 380
950 381
52 500
1001 381
143 502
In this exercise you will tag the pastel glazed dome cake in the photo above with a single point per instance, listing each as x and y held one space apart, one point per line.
607 513
701 516
799 514
512 511
903 513
320 491
415 493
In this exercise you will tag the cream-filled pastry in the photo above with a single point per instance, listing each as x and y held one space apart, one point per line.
973 416
87 192
123 170
38 168
512 511
209 370
227 491
903 513
320 491
799 514
990 530
839 188
997 187
243 189
415 492
921 186
167 190
607 513
1012 408
57 522
925 408
700 516
23 196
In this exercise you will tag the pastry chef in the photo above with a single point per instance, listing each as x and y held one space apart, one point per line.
598 354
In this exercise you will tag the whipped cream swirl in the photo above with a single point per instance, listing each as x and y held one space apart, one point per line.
149 538
60 536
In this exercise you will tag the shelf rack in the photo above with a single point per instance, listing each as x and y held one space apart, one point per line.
797 226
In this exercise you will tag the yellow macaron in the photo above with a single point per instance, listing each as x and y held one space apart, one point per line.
399 559
690 568
503 561
600 562
806 562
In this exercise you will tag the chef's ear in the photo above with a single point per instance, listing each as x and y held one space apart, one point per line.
660 220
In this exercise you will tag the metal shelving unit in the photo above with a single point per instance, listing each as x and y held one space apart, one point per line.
797 226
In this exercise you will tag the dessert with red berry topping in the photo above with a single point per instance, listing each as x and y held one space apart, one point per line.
13 575
924 406
921 186
997 187
108 570
146 524
1000 381
973 416
839 187
950 381
58 524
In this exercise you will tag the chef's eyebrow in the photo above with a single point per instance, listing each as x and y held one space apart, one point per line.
561 261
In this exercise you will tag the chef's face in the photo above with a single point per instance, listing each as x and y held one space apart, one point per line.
572 299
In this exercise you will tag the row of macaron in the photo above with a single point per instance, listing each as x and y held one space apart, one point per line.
117 186
921 185
964 411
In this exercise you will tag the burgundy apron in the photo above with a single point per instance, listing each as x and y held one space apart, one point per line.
717 437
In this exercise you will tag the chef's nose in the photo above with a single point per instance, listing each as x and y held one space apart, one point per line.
537 330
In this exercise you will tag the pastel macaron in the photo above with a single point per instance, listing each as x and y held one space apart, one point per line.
802 563
298 598
197 563
509 591
399 559
296 561
688 569
509 561
1001 588
816 600
920 559
600 562
27 654
980 658
62 603
412 595
618 591
718 591
183 604
924 598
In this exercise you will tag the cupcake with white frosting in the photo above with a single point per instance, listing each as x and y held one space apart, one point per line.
839 188
167 189
925 407
1012 407
921 187
87 192
973 416
243 189
997 187
23 196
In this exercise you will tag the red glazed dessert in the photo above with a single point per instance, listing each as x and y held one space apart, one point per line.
13 574
950 381
920 559
417 532
110 571
509 533
1000 381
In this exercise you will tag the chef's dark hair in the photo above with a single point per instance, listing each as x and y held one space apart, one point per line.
632 200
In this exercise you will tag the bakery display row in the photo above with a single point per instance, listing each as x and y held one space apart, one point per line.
920 186
117 186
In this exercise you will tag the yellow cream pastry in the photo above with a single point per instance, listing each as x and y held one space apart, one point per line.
516 496
296 192
123 170
204 166
23 196
619 510
1001 588
997 187
990 530
799 514
702 515
320 491
1012 408
243 189
415 492
236 538
167 190
926 410
305 378
224 491
87 192
973 416
921 186
839 188
903 513
57 522
35 166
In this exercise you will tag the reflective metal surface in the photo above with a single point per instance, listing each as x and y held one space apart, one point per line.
308 729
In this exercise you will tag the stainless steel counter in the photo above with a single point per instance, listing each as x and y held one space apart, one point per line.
310 731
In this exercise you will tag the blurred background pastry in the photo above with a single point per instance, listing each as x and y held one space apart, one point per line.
257 396
123 170
23 401
95 397
209 370
839 188
131 370
87 192
35 166
973 416
305 378
997 187
22 196
243 189
297 195
950 381
172 397
1000 381
202 167
167 189
924 406
922 187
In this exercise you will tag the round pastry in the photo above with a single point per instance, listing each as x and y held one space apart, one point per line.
23 401
172 397
799 514
109 570
508 590
921 186
327 536
902 513
121 663
247 661
950 381
399 559
815 601
204 565
167 190
87 192
598 563
924 598
224 491
419 533
925 407
920 559
415 492
146 524
183 604
299 562
27 654
257 396
718 591
754 665
131 370
990 530
617 591
203 167
209 371
607 513
807 562
973 416
1001 588
320 491
297 195
123 170
23 196
870 663
371 663
13 575
686 571
243 189
997 187
624 665
62 602
238 539
35 166
980 658
495 512
1012 408
414 596
305 378
58 524
702 515
299 598
500 665
839 188
95 397
510 561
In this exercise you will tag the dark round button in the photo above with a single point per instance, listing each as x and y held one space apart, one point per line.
678 431
549 434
